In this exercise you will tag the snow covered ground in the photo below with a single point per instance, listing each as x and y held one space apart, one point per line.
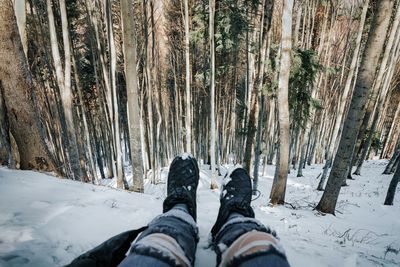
47 221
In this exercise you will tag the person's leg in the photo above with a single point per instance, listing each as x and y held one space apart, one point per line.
172 237
239 239
244 242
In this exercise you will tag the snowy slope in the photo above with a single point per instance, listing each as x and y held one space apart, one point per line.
47 221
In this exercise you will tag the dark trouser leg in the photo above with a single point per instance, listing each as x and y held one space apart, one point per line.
245 242
170 240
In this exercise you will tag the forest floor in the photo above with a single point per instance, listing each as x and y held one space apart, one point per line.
45 221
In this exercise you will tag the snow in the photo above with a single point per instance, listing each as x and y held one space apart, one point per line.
226 180
224 193
48 221
185 156
227 177
222 247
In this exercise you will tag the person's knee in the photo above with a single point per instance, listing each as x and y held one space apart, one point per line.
250 245
161 246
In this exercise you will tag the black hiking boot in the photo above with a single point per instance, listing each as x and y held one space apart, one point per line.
236 195
183 178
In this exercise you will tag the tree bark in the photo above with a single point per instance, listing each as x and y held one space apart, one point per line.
343 100
133 94
257 83
257 150
115 109
188 117
277 195
212 93
392 187
393 159
19 97
387 148
374 98
86 129
364 82
67 96
20 13
6 156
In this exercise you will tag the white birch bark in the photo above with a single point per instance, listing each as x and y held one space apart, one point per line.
85 125
188 126
64 82
20 13
212 93
279 185
343 99
54 47
67 96
385 75
370 59
18 91
129 45
115 110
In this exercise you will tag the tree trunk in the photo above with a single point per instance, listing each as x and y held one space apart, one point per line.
188 120
303 148
66 97
282 166
116 120
378 87
95 178
257 150
54 47
257 82
19 97
391 134
392 187
132 92
343 100
393 159
20 13
6 156
212 93
364 82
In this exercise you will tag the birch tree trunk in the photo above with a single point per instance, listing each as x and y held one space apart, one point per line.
212 93
364 82
343 100
382 87
20 13
258 144
113 66
377 88
257 83
392 187
19 97
5 140
277 195
393 159
133 94
95 178
391 134
188 117
54 47
66 97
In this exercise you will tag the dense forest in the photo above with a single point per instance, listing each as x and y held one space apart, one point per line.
89 88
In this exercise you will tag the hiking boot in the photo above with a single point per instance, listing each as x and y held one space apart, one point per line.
183 178
236 195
